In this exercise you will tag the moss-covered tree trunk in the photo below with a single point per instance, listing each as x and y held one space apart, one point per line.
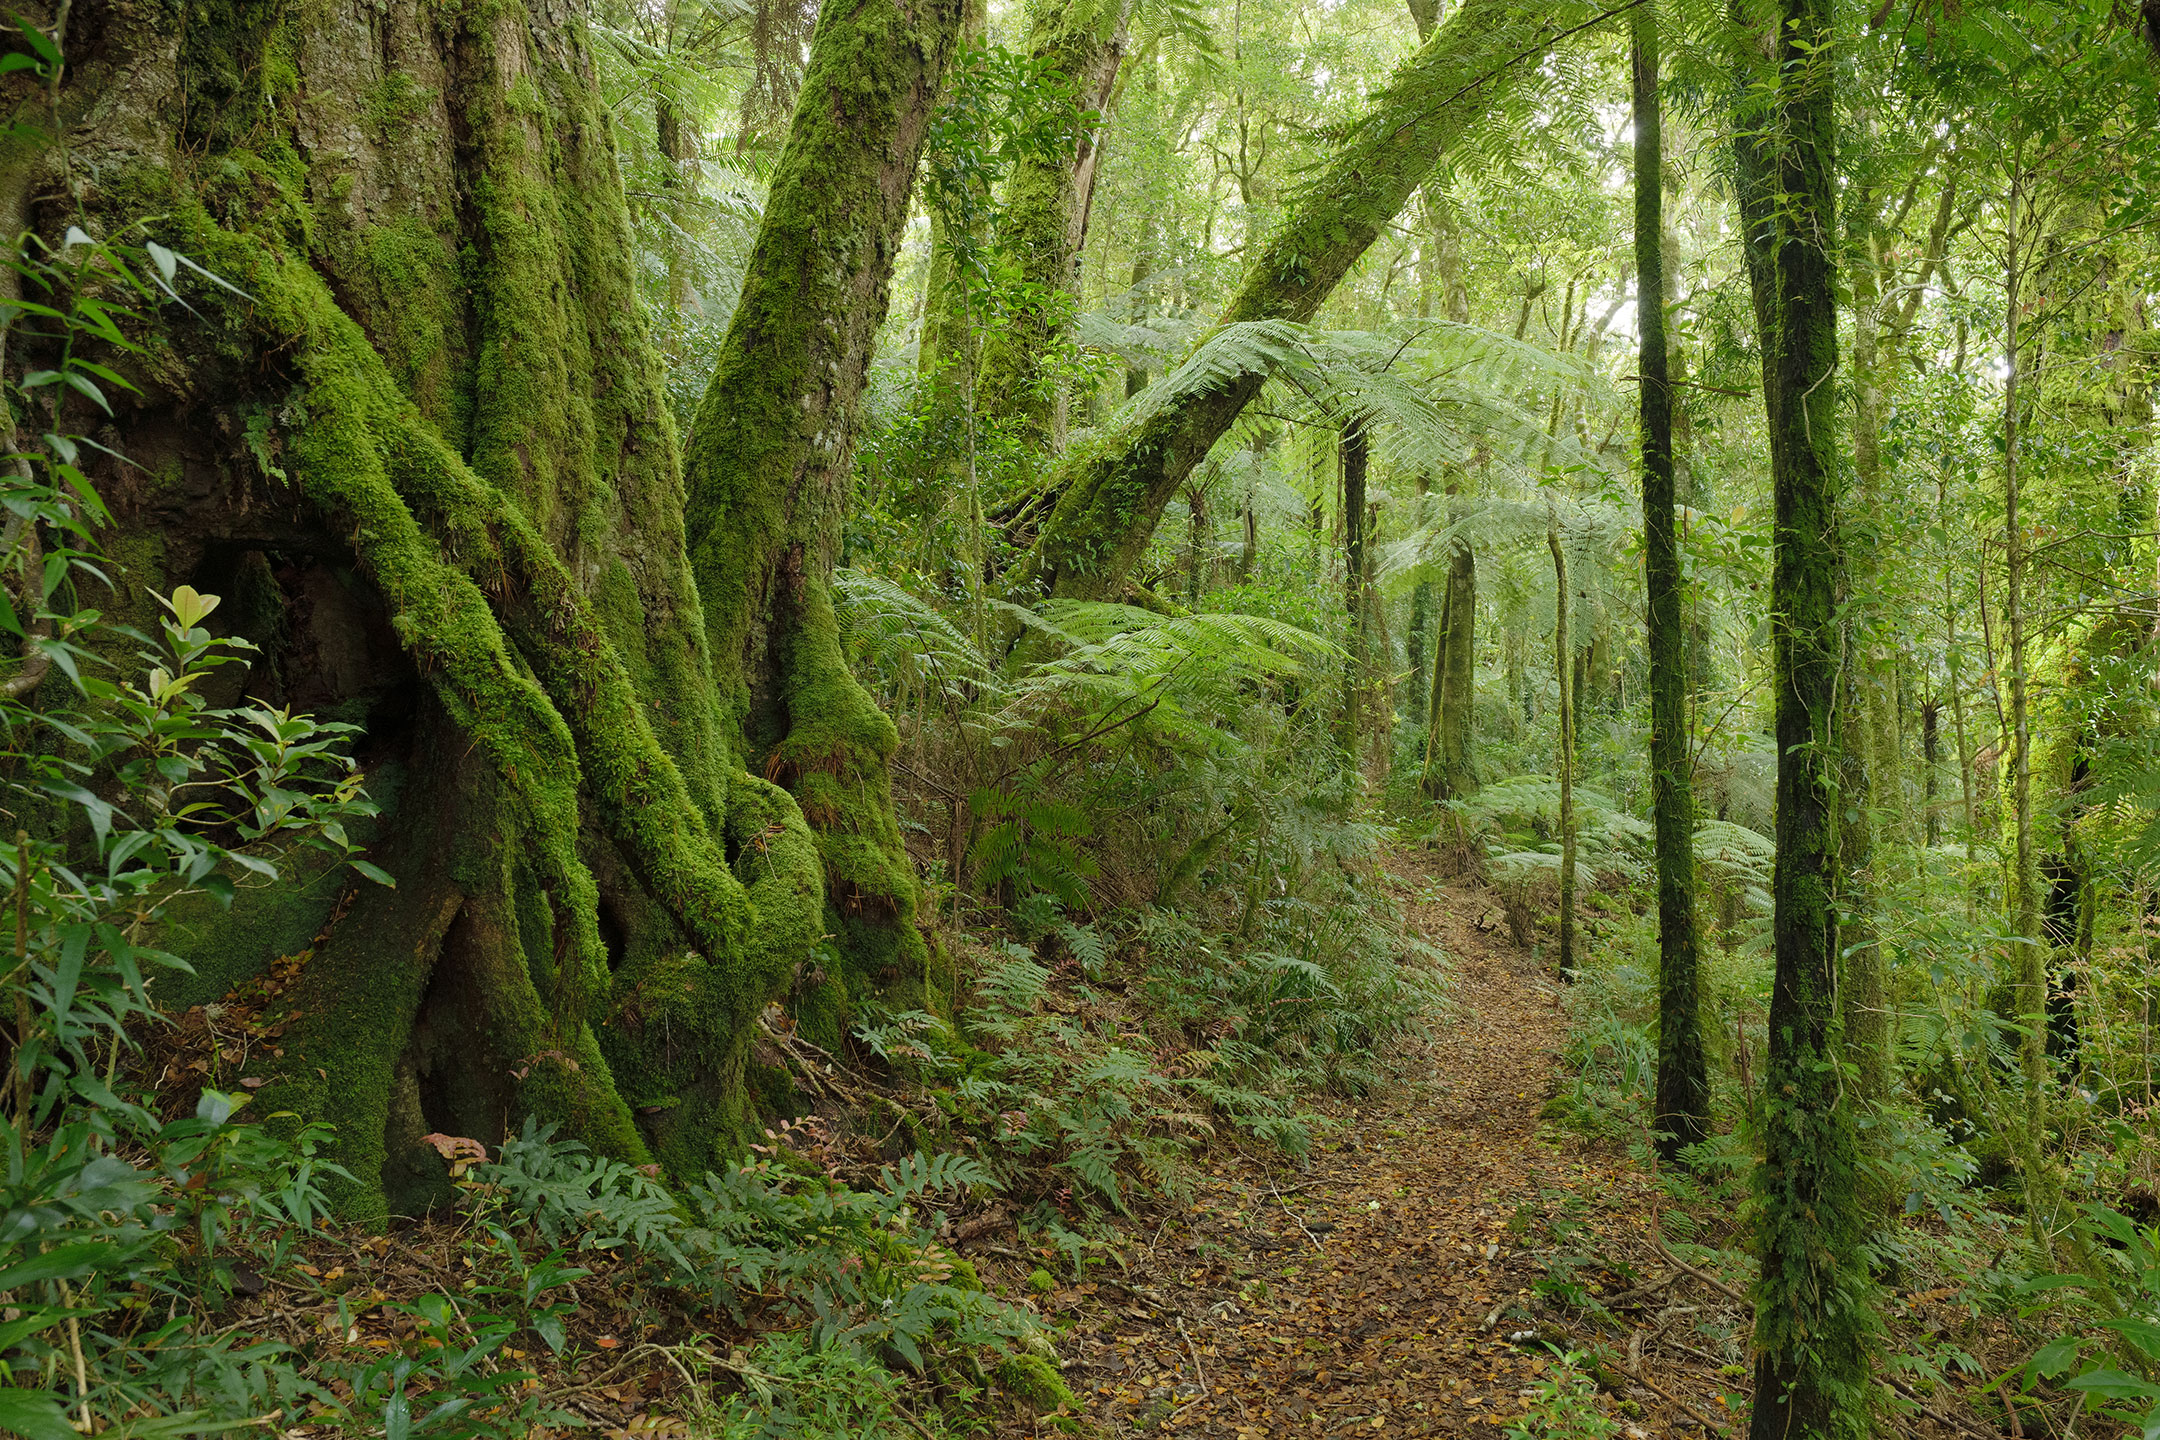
1812 1320
947 351
1112 493
769 467
1683 1076
428 458
1043 221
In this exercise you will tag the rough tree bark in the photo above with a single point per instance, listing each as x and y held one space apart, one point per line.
1354 458
1812 1320
429 458
1111 494
1419 636
1683 1076
769 465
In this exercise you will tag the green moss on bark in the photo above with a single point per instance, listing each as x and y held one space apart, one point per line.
770 457
1042 222
449 343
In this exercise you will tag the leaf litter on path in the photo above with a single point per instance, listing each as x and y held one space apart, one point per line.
1389 1287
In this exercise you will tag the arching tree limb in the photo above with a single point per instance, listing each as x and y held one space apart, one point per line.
1112 494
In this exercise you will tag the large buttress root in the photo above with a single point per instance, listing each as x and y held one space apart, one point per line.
440 369
564 723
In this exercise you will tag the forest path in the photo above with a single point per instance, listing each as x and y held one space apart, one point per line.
1375 1291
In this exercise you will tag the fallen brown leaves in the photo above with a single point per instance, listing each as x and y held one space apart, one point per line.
1389 1287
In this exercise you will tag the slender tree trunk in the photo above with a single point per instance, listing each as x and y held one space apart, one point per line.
1931 757
947 354
679 182
769 469
1863 994
1354 457
1250 555
1112 496
1683 1076
1566 742
1525 705
1197 542
2029 957
1863 779
1421 620
1434 696
1143 270
1812 1322
1451 767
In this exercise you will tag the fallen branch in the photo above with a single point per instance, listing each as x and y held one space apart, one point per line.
1696 1415
1299 1218
1657 1238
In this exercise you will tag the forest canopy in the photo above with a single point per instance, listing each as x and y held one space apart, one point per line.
821 664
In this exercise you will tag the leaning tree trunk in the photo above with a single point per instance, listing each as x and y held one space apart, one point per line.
1811 1318
769 467
1111 496
1683 1076
455 519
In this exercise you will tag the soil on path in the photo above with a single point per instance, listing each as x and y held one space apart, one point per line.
1386 1287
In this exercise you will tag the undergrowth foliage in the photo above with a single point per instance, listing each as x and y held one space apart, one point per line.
1192 942
133 1249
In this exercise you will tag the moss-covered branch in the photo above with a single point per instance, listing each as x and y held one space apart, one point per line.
1112 493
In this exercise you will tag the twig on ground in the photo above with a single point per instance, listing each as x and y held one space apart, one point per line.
1699 1418
1199 1372
1641 1292
1299 1218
